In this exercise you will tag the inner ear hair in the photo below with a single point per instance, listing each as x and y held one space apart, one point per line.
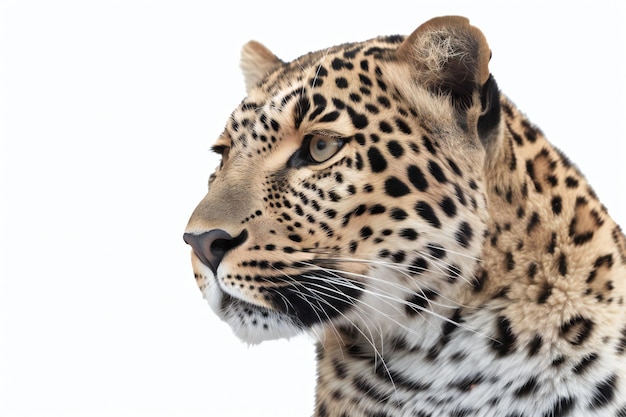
449 56
256 62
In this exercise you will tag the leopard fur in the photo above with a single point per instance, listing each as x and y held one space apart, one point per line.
387 198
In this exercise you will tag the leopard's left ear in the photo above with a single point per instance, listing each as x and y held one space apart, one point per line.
449 56
256 62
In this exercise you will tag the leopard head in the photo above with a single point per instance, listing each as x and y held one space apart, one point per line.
350 189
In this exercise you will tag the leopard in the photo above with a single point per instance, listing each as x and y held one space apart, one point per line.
446 259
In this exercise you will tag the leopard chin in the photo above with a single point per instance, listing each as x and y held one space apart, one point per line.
251 323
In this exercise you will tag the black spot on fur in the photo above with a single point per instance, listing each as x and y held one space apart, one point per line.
404 128
437 172
385 127
453 273
448 206
571 182
533 222
341 82
395 188
530 170
377 209
557 205
455 168
605 260
621 344
528 388
329 117
364 386
426 212
409 234
395 149
562 264
417 178
480 280
545 294
535 345
436 251
552 245
419 301
339 104
463 412
510 261
376 160
302 108
320 105
334 197
429 145
604 393
384 101
577 330
398 214
365 80
366 232
464 234
358 120
418 265
339 64
504 340
585 363
398 257
561 408
295 238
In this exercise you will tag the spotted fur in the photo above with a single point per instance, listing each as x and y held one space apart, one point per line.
385 197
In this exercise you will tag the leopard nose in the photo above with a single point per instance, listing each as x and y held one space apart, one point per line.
211 247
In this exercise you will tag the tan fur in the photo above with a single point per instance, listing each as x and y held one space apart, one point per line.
256 62
449 259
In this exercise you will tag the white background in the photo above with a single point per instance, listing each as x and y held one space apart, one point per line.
107 112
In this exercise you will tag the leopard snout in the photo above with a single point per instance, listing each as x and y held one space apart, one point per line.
211 247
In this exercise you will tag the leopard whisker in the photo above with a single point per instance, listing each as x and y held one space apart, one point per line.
386 297
397 286
370 340
414 306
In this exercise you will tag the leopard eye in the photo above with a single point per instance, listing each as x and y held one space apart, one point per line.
322 148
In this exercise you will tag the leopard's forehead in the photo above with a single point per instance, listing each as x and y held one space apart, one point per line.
314 67
348 90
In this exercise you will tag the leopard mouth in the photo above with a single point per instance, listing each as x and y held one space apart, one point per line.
253 323
292 309
229 303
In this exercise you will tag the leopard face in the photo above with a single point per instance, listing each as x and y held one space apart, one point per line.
347 191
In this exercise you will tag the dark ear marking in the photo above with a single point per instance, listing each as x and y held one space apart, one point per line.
490 110
450 57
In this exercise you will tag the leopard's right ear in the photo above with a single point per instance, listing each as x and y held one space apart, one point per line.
450 57
256 62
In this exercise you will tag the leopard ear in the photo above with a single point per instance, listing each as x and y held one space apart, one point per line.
256 62
449 56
